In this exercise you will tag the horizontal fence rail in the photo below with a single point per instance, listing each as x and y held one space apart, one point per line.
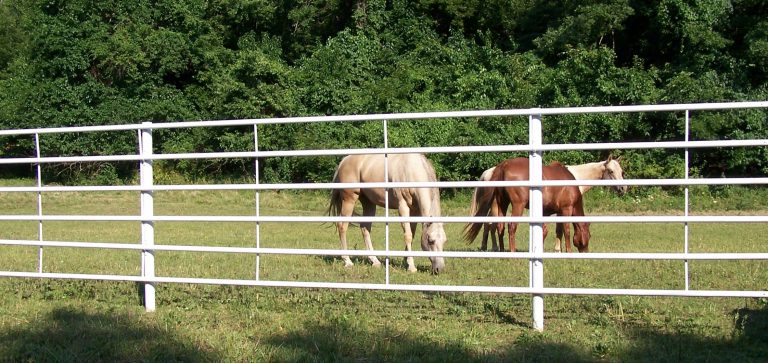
316 186
396 253
536 257
423 150
715 106
399 287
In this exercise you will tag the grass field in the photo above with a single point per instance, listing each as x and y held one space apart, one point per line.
67 320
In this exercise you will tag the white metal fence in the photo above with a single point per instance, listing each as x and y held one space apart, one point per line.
536 254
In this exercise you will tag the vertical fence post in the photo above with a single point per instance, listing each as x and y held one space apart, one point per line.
258 201
687 171
39 204
147 213
537 232
386 202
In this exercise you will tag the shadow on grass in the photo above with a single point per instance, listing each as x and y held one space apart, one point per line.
500 313
71 335
344 342
752 323
748 343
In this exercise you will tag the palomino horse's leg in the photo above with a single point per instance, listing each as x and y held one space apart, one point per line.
408 229
369 210
348 199
409 260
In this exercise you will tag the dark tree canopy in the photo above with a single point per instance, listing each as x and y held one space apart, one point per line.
88 62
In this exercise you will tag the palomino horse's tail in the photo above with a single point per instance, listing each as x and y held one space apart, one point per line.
475 196
482 202
334 206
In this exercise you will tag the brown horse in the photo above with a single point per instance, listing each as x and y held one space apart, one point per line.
408 201
560 200
609 169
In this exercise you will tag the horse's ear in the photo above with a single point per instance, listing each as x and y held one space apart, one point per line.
618 160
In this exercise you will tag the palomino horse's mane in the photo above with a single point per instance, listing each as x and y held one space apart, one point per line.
595 171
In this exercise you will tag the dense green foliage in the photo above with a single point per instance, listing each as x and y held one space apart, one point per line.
86 62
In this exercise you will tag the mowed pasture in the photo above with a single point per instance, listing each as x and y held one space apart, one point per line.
63 320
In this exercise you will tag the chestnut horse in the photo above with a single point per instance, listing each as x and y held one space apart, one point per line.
560 200
609 169
408 201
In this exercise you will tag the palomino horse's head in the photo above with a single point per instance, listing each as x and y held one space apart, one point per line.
613 171
432 239
581 236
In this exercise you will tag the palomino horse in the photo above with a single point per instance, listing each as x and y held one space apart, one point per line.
609 169
408 201
560 200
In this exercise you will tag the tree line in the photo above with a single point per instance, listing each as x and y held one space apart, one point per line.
96 62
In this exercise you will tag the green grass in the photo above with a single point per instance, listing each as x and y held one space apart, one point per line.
69 320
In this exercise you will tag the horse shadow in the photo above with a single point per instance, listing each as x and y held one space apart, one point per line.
69 334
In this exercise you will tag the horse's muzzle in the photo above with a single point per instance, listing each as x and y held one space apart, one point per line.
438 265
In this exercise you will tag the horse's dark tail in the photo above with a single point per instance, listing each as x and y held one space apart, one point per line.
481 205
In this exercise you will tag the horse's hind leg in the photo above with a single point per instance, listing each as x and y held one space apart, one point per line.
369 210
558 237
492 232
489 231
499 210
566 229
517 210
348 199
489 228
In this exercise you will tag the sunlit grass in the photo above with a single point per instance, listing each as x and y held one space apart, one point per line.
239 323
